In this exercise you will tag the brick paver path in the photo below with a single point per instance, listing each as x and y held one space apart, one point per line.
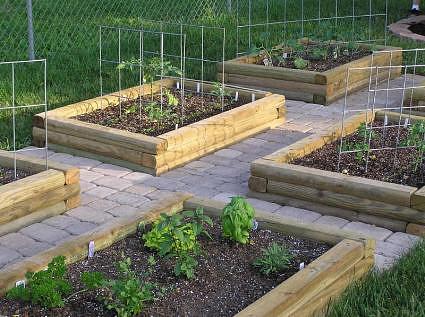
110 191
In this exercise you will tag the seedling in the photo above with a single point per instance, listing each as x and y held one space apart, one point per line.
300 63
237 220
274 259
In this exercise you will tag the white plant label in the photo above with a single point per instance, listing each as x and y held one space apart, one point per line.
198 87
178 85
177 126
266 62
406 122
302 265
386 120
91 249
20 283
285 55
254 224
237 96
253 97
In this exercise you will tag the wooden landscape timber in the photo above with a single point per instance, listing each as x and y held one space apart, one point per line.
393 206
46 193
156 155
310 86
306 293
415 98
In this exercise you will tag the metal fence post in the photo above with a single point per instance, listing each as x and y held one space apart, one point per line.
30 31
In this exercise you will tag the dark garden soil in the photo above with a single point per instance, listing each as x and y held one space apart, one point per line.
7 175
135 118
320 64
225 281
418 28
395 166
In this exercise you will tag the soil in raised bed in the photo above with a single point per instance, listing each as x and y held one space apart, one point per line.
135 118
319 65
389 165
7 175
225 281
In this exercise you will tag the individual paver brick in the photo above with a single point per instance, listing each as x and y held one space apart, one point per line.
111 170
254 142
137 177
160 194
124 198
61 221
369 230
7 256
235 188
217 160
103 204
200 165
85 186
34 248
332 221
113 182
123 211
60 157
176 174
82 162
298 214
403 239
44 233
164 183
101 191
390 250
200 191
228 153
226 171
15 240
225 197
80 228
87 198
89 176
263 205
249 157
36 152
88 214
383 262
140 189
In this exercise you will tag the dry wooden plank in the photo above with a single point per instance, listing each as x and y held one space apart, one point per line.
346 202
30 187
103 236
102 158
112 136
318 303
318 275
418 199
286 225
133 156
37 216
418 230
258 184
335 182
73 202
35 165
42 199
395 116
305 76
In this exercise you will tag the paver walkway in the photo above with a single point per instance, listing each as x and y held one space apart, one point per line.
110 191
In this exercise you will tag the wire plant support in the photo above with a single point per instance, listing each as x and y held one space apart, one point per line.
12 104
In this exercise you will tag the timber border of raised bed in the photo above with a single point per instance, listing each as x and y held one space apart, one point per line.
309 86
306 293
44 194
393 206
156 155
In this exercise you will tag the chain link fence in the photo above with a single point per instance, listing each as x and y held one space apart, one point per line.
64 25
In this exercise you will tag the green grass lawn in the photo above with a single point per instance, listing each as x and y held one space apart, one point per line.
67 35
398 292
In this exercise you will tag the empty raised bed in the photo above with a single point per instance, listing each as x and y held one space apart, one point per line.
36 193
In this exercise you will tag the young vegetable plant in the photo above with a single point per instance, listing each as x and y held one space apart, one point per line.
273 260
176 236
127 295
46 288
151 68
416 138
237 220
300 63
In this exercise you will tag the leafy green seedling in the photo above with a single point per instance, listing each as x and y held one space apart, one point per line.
300 63
274 259
237 220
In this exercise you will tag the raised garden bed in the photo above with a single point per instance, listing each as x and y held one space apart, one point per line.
320 82
157 148
346 257
37 193
278 178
